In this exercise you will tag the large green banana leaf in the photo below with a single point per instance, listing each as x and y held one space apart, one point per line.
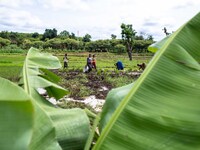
16 117
113 99
156 46
69 128
162 109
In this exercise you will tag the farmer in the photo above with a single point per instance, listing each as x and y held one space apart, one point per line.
141 66
119 65
88 66
94 62
65 61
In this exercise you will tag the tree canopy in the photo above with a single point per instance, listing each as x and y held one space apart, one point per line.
128 36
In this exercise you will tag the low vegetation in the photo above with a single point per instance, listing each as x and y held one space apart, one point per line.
160 110
79 84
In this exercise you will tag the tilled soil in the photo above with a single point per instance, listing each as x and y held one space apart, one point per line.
98 85
94 81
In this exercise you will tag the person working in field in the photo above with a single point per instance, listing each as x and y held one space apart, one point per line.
141 66
94 62
119 65
88 66
65 61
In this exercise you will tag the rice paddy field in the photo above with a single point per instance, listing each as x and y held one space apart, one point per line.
11 64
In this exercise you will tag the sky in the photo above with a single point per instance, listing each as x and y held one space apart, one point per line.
99 18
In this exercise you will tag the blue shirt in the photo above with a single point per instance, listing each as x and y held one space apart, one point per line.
120 65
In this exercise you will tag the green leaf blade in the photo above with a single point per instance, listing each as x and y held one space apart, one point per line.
16 117
161 111
54 128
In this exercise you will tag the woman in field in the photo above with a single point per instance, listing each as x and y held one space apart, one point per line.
94 62
65 61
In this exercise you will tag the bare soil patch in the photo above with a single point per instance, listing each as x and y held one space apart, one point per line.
92 83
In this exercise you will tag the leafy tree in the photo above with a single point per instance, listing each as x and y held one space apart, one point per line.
53 43
38 44
26 44
49 33
73 44
87 38
128 36
35 35
165 31
72 36
4 34
120 48
141 46
113 36
64 33
139 37
4 42
102 45
113 43
150 37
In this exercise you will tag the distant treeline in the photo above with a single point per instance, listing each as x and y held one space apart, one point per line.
70 42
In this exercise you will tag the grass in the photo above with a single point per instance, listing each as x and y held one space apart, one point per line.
11 66
11 73
12 60
104 60
79 84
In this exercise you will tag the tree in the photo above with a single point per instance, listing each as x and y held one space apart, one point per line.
150 37
64 33
49 33
35 35
120 48
4 42
4 34
72 36
87 38
113 36
128 36
165 31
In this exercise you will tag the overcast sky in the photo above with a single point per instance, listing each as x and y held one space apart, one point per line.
99 18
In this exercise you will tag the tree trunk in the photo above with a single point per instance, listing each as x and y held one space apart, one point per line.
130 55
129 51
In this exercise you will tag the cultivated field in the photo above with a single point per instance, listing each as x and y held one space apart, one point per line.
11 64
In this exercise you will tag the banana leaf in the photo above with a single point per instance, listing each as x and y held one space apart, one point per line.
113 99
161 111
54 128
156 46
16 117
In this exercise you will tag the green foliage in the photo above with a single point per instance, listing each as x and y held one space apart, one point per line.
44 127
158 111
4 42
161 109
87 38
65 41
16 117
64 34
113 36
35 35
49 34
142 45
128 36
12 49
119 48
11 73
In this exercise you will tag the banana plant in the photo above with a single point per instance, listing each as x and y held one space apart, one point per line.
16 117
38 124
161 110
